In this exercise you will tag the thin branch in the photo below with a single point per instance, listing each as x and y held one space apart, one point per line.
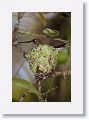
23 53
64 74
49 91
29 33
15 43
24 95
16 27
19 16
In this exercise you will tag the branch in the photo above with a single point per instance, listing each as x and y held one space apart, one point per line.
64 73
29 33
49 91
16 27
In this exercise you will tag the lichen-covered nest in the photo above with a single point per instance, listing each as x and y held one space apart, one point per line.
43 59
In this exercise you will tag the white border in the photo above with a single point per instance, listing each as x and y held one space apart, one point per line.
76 104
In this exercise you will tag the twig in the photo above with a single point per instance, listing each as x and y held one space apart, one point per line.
24 95
23 53
20 15
16 27
49 91
15 43
29 33
64 73
39 87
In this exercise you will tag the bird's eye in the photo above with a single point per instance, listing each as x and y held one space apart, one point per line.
34 40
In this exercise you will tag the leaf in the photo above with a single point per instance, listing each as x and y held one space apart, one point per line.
50 32
19 86
41 16
63 56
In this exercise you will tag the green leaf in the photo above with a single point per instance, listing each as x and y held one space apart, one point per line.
63 56
41 16
50 32
19 86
